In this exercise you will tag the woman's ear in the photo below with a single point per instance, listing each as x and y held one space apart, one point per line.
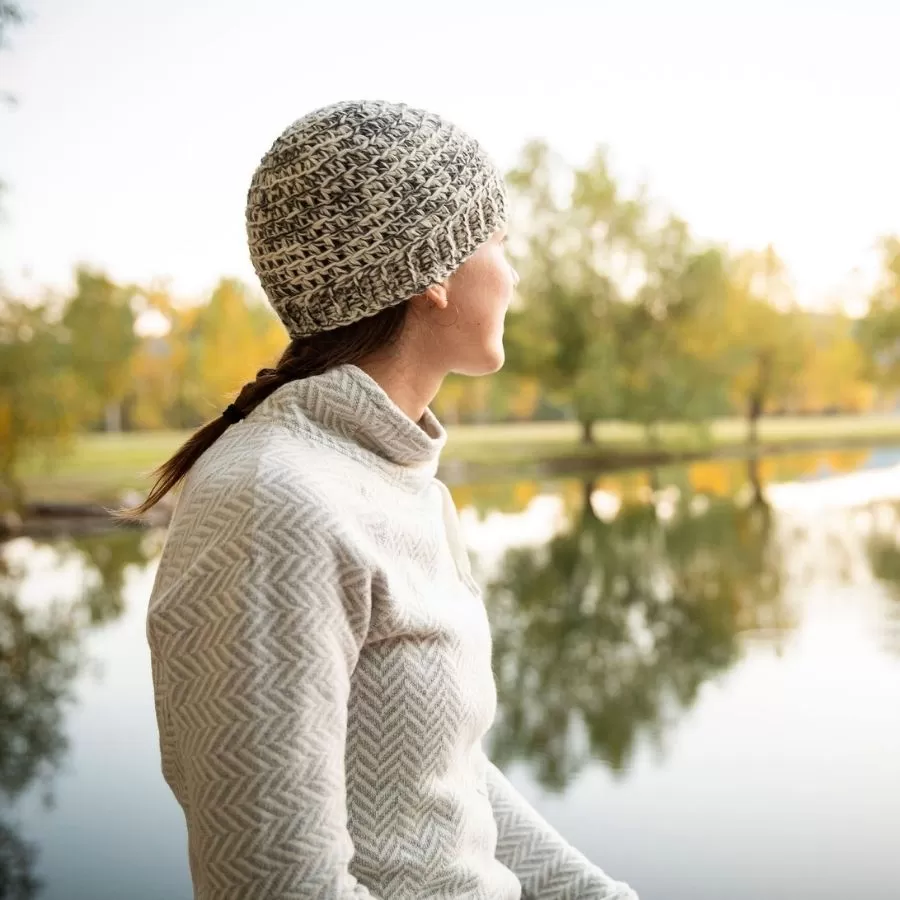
433 297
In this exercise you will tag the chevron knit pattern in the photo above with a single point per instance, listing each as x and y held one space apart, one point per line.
322 670
362 205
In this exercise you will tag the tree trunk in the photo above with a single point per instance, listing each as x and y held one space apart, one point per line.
587 489
758 397
587 432
755 477
754 411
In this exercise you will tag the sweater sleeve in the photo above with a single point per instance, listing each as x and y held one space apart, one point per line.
547 867
258 644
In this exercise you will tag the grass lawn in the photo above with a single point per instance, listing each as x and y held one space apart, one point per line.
101 466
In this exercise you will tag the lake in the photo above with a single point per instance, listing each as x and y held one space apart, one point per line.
698 674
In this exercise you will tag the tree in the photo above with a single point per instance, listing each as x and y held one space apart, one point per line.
230 338
620 313
879 331
834 376
670 339
99 322
159 395
767 344
575 233
39 393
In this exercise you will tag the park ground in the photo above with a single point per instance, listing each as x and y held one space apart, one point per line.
101 467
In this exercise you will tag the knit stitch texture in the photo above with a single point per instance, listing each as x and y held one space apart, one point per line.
361 205
322 670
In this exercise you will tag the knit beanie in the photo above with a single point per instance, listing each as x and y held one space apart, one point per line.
361 205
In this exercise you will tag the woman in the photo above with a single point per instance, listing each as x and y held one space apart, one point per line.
321 655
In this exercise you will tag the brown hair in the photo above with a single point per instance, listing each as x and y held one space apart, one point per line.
303 358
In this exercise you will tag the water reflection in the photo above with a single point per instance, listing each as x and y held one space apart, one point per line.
50 595
613 603
606 633
883 549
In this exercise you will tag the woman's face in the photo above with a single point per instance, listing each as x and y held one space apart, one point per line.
478 294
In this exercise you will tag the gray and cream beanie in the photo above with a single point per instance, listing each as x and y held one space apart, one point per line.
361 205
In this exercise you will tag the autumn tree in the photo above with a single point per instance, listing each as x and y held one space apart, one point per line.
38 390
834 376
231 337
670 345
160 396
879 331
767 342
99 325
574 233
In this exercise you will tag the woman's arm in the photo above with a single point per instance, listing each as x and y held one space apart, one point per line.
255 649
547 866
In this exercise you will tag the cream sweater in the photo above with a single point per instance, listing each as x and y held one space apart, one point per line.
322 670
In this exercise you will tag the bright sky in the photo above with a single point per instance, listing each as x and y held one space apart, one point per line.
139 124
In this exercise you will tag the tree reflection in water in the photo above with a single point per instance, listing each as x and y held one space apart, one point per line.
602 637
41 652
606 634
883 550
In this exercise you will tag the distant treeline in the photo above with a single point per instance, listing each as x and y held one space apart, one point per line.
621 314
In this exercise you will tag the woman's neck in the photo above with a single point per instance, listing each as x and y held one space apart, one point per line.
411 384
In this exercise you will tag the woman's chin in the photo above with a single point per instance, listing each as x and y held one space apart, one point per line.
498 361
494 357
490 360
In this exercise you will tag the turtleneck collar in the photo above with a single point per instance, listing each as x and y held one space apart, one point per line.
354 414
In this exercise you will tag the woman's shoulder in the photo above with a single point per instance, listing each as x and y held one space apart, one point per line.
259 491
257 467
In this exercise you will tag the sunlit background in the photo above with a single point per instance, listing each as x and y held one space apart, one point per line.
681 494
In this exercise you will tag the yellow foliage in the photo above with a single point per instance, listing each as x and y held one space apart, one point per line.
524 493
846 460
463 397
717 478
234 342
833 376
463 495
448 404
524 397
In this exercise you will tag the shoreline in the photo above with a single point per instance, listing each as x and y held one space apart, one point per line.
48 518
606 461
